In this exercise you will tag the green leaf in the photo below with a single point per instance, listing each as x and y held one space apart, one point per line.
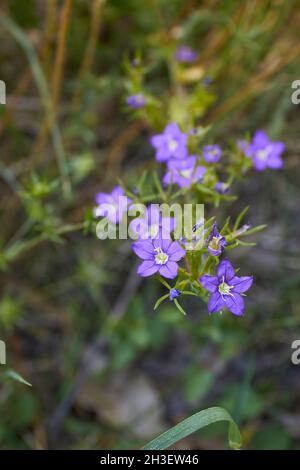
179 307
160 300
12 374
239 242
164 282
253 230
240 218
159 186
225 226
188 292
194 423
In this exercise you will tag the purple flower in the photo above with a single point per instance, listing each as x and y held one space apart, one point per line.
158 255
172 143
226 289
212 153
215 242
174 293
266 153
184 172
113 205
152 224
222 188
185 54
136 101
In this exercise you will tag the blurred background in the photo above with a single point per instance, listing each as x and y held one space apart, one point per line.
107 372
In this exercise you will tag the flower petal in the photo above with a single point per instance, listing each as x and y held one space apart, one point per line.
225 269
235 303
260 139
175 251
103 198
275 162
216 303
241 284
169 270
259 164
147 268
162 241
144 249
157 140
209 283
172 128
117 192
162 154
168 224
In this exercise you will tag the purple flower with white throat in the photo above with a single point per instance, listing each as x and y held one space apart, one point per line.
152 224
172 143
159 255
265 153
136 101
113 205
184 172
215 242
185 54
226 289
212 153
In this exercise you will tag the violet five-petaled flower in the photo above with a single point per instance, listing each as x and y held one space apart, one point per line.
136 101
264 152
226 289
159 255
185 54
152 224
172 143
215 242
112 205
184 172
212 153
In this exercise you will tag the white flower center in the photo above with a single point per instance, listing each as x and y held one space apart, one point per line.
225 289
262 154
161 257
172 144
215 243
186 173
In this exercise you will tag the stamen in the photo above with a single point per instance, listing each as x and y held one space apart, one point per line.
172 144
161 257
225 289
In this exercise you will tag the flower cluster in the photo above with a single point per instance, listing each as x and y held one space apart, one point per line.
172 147
202 174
